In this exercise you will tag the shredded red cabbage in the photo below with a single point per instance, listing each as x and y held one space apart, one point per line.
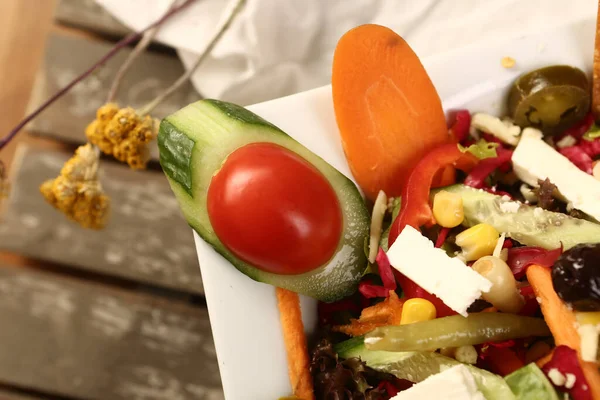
459 121
370 290
508 244
579 129
579 157
590 147
486 166
442 236
385 271
519 258
325 311
565 360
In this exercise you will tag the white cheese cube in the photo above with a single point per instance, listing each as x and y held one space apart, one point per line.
456 284
456 383
534 159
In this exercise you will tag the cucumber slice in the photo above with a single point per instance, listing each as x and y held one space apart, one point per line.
195 141
529 225
416 366
530 383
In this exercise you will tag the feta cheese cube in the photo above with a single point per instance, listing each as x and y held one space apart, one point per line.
456 383
534 159
456 284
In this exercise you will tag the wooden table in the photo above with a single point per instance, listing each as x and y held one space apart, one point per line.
114 314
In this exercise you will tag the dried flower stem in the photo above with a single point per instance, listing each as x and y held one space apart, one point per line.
135 53
230 16
121 44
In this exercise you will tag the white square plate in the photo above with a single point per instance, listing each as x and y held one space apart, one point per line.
243 313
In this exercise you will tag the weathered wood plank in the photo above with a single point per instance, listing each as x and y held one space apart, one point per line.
89 15
146 240
67 56
7 394
87 341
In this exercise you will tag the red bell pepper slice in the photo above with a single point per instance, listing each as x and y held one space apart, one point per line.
519 258
442 236
415 210
477 177
460 124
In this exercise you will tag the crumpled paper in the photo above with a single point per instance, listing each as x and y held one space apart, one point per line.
279 47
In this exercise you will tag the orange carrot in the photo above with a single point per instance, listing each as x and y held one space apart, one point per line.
295 344
387 312
561 322
387 109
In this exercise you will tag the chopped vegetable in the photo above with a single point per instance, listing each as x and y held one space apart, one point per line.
417 310
379 210
565 362
519 258
592 133
455 331
415 210
295 343
482 149
503 294
479 174
448 209
387 110
387 312
385 270
530 383
590 147
579 129
442 236
460 122
579 157
370 290
477 241
551 98
561 321
349 379
502 360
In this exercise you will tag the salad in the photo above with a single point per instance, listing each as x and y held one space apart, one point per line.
470 267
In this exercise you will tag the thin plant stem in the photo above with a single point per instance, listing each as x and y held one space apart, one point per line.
135 53
121 44
233 12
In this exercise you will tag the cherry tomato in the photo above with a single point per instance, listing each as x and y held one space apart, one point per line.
274 210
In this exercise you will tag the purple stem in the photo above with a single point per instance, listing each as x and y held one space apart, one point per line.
122 43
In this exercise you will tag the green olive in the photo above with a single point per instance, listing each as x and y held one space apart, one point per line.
551 99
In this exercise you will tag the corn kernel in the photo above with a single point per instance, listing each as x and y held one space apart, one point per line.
417 310
448 209
477 241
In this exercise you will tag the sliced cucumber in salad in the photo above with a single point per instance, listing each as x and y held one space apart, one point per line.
416 366
529 225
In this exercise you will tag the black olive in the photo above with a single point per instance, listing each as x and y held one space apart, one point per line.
576 277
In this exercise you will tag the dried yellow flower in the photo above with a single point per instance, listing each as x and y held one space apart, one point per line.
122 133
77 192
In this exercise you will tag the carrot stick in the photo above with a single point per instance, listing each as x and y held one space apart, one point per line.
596 71
388 112
295 344
561 321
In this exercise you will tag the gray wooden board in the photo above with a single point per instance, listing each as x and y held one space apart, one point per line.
7 394
67 56
72 338
146 240
89 15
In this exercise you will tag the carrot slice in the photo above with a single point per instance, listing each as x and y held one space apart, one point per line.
387 109
561 321
295 344
388 312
